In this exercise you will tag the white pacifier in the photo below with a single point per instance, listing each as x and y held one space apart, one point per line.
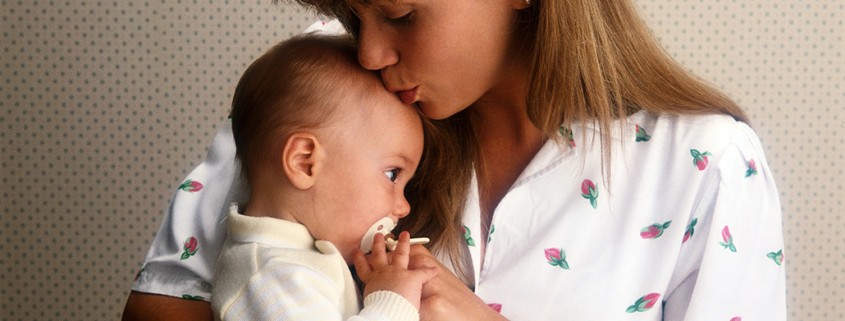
383 227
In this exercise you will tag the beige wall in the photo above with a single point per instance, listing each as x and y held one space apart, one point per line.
106 105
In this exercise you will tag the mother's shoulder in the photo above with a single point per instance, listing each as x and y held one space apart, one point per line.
711 131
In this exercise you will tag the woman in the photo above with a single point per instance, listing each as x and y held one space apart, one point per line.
579 173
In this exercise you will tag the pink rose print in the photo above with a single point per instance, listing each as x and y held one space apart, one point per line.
556 257
191 245
752 168
644 303
468 236
654 231
690 230
776 256
642 136
191 186
736 319
567 134
495 306
727 239
590 192
700 159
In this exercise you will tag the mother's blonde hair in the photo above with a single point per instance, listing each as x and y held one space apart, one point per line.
589 61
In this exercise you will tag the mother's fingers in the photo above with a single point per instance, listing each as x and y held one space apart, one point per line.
446 297
421 258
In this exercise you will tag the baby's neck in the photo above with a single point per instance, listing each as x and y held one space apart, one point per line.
264 205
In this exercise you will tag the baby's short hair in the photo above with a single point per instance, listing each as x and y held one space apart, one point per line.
295 85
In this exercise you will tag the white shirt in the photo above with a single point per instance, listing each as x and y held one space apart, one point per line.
272 269
687 229
686 221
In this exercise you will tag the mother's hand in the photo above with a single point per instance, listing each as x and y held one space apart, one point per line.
446 297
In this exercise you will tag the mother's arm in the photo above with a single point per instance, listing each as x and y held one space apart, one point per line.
446 297
153 307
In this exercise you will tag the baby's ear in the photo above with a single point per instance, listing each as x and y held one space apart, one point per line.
300 158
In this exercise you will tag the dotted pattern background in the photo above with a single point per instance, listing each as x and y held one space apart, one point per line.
106 105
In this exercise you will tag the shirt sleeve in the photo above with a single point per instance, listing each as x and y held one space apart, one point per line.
180 261
331 27
731 267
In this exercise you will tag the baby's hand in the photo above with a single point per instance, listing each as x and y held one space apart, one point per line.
381 271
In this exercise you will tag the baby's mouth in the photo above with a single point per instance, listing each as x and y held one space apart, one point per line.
383 227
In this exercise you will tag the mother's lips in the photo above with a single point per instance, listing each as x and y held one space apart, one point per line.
408 96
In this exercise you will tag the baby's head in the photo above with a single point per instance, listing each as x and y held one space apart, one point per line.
321 141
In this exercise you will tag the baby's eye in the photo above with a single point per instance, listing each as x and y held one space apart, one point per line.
391 174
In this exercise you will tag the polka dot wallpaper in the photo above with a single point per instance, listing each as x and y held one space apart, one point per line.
106 105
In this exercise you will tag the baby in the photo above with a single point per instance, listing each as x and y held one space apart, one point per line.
326 151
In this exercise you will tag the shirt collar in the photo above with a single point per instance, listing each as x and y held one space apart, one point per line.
267 230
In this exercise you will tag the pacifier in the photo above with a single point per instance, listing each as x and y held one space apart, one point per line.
383 227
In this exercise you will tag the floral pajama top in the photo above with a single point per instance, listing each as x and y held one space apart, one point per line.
688 227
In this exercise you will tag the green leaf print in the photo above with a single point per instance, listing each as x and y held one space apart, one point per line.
752 168
190 247
642 136
777 257
700 159
728 239
654 231
566 133
690 230
556 257
590 192
644 303
468 236
191 186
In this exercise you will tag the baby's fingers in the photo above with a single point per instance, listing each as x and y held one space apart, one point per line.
378 256
402 251
362 267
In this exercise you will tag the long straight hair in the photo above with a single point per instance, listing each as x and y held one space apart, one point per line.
605 65
589 61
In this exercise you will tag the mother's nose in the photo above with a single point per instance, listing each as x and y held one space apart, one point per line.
375 47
